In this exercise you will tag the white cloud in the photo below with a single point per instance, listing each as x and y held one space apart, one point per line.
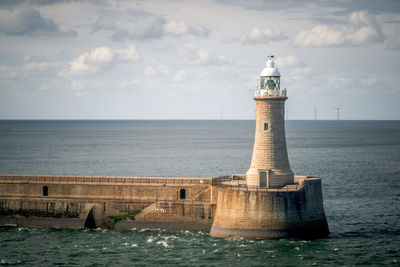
358 84
362 29
78 88
370 81
200 56
154 27
160 69
149 71
100 59
145 28
164 69
264 36
288 61
393 43
129 83
40 67
299 73
28 21
178 28
7 72
180 76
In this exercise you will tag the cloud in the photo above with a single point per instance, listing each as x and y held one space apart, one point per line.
393 43
160 69
130 83
288 61
149 26
40 67
100 59
200 56
362 29
262 36
300 73
13 3
28 21
145 28
178 28
180 76
7 72
359 83
156 27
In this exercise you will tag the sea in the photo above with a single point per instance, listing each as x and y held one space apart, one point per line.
358 162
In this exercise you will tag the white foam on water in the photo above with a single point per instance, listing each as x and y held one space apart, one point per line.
163 243
170 237
134 245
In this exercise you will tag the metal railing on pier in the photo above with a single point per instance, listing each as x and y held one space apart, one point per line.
245 187
110 179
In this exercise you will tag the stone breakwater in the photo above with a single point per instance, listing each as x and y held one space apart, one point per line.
220 205
293 211
108 202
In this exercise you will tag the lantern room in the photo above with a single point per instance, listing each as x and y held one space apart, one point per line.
270 80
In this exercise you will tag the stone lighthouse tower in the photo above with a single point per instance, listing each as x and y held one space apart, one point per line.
269 201
269 165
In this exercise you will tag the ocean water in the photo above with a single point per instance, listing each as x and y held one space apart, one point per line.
358 161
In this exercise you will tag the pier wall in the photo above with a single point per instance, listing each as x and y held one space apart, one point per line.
210 205
108 202
271 213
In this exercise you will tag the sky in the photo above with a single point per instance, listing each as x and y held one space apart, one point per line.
99 59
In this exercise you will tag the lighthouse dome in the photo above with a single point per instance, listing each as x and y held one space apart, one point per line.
270 69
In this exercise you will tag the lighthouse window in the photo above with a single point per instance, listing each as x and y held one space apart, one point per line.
45 191
182 194
266 126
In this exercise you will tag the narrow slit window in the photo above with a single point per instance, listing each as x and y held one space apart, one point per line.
45 191
182 194
266 126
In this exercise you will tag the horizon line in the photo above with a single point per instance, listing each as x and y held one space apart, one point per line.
191 120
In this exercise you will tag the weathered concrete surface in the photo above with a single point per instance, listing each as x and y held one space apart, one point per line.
108 202
264 213
120 188
271 214
62 213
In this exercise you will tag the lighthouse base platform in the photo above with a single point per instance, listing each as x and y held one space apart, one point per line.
292 211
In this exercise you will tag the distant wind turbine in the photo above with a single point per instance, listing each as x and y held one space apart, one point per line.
338 111
315 114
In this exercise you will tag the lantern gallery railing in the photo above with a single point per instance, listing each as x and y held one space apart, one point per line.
270 92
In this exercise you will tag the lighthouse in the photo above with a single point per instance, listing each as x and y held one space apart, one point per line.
269 166
269 201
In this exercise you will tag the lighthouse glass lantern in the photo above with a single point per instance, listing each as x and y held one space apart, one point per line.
270 80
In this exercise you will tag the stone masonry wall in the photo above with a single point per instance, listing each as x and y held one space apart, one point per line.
121 203
269 152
